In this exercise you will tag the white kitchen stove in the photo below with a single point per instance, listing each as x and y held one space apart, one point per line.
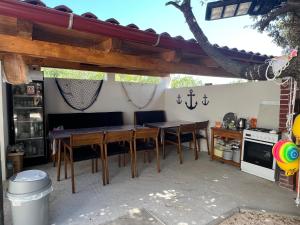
257 158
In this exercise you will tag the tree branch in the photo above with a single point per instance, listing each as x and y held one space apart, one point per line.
273 15
233 67
175 4
238 69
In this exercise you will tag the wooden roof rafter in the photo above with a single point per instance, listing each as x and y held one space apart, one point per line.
107 47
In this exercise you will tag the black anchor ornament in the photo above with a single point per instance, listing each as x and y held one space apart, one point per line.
191 95
179 100
205 101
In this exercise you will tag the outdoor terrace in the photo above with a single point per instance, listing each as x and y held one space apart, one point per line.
196 192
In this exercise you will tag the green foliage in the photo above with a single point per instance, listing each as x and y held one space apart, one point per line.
179 81
72 74
137 79
284 29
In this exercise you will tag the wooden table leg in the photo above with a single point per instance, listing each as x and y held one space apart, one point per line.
212 145
58 159
162 139
157 156
106 165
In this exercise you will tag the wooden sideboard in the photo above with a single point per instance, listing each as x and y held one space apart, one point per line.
226 134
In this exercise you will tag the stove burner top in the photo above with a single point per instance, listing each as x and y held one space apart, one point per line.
265 130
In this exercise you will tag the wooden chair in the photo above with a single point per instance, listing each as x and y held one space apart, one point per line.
84 147
182 134
202 126
146 140
117 143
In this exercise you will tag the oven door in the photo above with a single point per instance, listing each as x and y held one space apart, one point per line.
258 153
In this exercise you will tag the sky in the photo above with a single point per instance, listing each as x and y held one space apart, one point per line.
232 32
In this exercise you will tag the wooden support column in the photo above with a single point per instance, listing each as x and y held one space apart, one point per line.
15 68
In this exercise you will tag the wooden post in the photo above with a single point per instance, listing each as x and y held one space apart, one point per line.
15 69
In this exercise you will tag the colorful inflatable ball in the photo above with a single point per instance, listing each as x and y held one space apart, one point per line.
285 151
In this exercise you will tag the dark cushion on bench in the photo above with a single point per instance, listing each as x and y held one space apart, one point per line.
185 137
85 153
84 120
142 117
117 148
142 145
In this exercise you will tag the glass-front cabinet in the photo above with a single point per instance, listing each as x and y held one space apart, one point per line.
27 121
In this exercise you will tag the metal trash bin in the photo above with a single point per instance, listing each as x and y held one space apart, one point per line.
28 192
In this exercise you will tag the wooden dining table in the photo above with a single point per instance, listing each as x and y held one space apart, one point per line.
57 136
163 126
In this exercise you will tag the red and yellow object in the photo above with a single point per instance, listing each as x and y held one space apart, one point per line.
286 154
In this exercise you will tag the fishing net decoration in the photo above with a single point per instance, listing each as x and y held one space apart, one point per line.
79 94
133 93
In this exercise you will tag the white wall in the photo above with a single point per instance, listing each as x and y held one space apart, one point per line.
3 124
111 98
243 99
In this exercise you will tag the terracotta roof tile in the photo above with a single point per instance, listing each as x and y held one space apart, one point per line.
63 8
150 30
132 25
166 34
192 40
234 51
35 2
179 37
112 20
89 15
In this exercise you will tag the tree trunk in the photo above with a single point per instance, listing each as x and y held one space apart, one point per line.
238 69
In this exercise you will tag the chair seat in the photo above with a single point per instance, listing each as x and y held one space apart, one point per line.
116 149
85 153
185 137
144 145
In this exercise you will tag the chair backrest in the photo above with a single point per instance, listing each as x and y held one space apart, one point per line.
116 136
185 128
202 125
87 139
155 116
146 133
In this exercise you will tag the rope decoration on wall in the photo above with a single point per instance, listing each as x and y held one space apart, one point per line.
79 94
130 99
279 64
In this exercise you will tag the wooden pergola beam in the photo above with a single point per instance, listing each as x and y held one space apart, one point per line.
62 52
24 29
87 67
109 45
171 56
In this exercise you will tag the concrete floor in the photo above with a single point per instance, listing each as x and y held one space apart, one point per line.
196 192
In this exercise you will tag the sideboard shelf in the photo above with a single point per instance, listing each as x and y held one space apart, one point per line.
229 135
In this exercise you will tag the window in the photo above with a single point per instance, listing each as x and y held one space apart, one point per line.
137 79
179 81
73 74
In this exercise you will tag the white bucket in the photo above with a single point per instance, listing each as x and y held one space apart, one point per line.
227 154
237 156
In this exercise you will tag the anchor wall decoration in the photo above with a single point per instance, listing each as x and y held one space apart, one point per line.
179 100
205 102
191 95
